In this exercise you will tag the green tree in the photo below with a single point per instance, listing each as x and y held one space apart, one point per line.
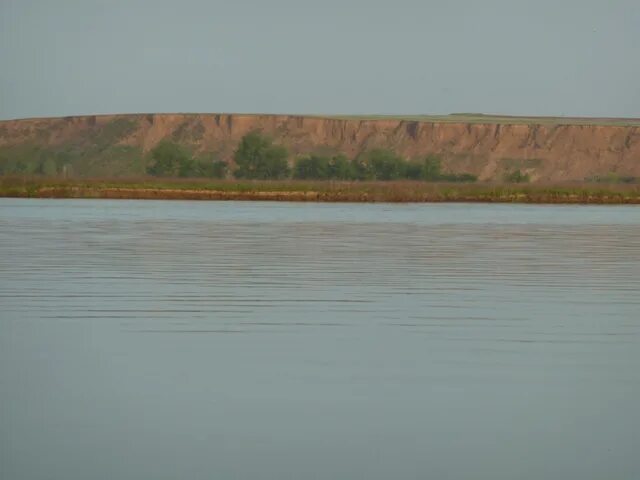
362 168
258 158
5 166
432 169
189 168
208 165
219 169
171 160
22 167
379 164
321 167
340 168
311 167
413 171
48 167
387 165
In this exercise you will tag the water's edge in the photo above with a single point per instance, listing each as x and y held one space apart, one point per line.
161 340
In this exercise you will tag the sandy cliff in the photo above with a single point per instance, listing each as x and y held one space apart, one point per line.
547 151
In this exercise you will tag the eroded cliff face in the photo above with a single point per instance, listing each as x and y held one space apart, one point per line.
546 152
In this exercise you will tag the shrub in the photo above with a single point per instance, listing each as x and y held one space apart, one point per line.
7 166
386 165
613 177
258 158
627 179
430 170
517 177
458 177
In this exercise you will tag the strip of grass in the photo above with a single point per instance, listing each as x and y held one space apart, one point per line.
326 191
477 118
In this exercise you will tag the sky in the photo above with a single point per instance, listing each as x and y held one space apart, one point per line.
521 57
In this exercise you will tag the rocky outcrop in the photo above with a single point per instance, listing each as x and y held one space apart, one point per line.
547 151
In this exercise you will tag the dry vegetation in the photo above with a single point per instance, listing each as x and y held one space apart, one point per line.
319 191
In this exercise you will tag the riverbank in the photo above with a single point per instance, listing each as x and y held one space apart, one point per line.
548 149
320 191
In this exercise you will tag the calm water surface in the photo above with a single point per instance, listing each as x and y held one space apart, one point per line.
165 340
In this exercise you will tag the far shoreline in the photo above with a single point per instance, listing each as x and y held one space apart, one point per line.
319 191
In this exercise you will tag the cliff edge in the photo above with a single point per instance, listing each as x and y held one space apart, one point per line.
546 150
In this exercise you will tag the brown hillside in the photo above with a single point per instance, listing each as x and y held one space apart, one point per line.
546 150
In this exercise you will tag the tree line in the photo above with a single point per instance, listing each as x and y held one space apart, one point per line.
258 158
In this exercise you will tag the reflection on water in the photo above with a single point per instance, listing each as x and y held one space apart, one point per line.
331 341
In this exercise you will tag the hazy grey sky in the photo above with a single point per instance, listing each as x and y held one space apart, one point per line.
542 57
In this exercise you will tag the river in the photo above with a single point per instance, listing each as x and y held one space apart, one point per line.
165 340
